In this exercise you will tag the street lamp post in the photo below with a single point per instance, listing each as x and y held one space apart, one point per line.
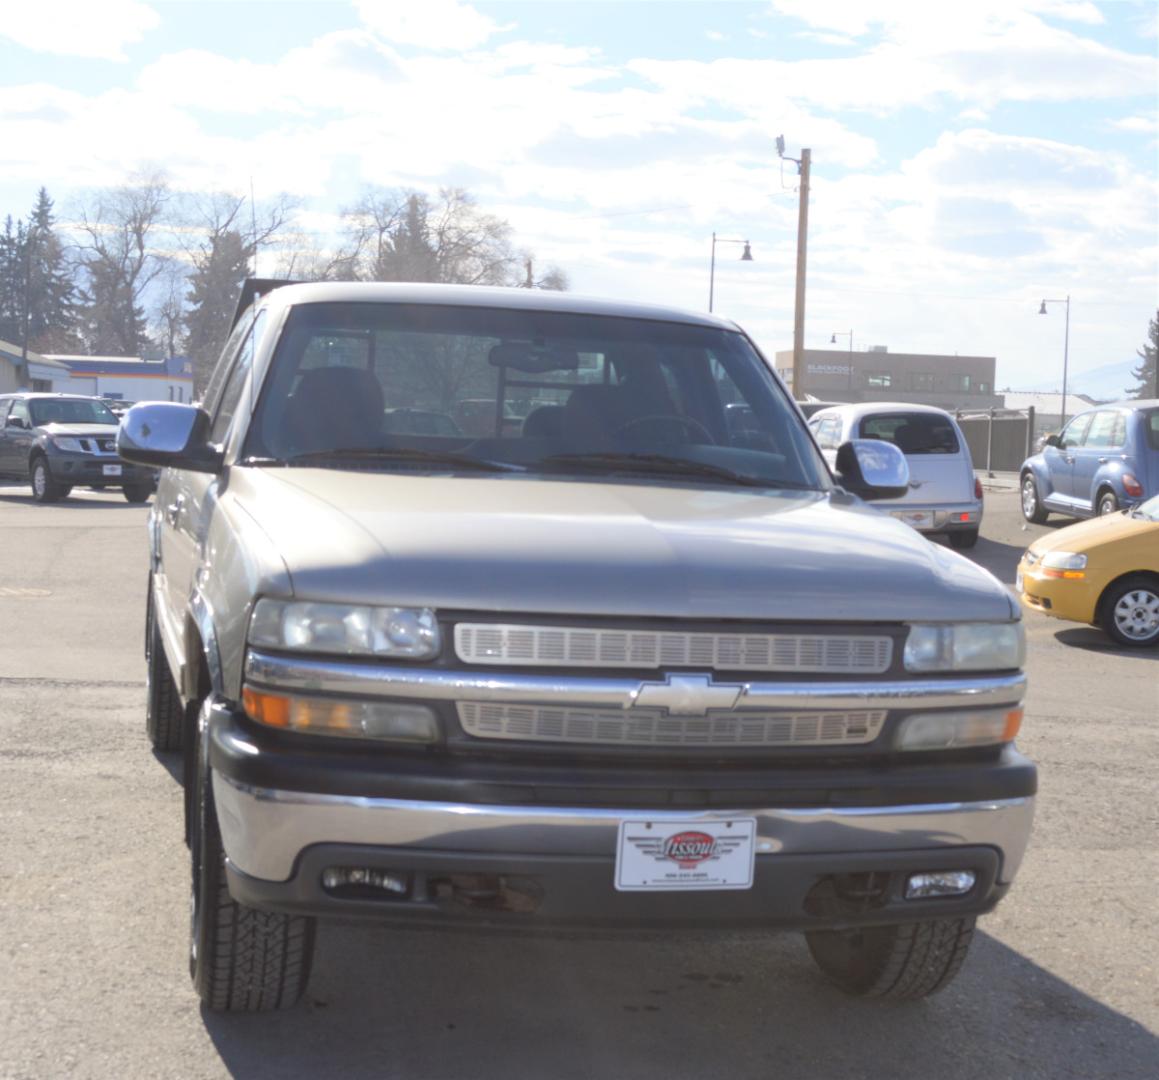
746 256
849 368
1065 350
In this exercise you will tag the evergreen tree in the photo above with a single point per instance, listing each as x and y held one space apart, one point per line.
11 282
52 296
220 269
1146 373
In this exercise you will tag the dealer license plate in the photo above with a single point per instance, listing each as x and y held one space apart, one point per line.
671 856
111 470
916 519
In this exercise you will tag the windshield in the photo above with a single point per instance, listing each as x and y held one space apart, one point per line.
423 387
70 411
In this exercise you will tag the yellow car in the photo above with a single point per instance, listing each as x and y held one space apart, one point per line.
1104 571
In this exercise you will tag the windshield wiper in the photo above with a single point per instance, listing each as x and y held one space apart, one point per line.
661 465
406 455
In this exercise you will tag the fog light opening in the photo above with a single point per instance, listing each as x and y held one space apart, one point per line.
364 882
939 883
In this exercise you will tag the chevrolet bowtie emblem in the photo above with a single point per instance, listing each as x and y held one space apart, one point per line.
688 695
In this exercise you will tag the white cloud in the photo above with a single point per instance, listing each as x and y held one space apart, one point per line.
429 24
79 27
1144 125
715 35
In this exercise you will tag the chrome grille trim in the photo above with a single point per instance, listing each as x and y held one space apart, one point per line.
640 727
581 647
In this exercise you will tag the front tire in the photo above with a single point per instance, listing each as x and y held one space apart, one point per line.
164 713
964 540
240 959
44 488
912 960
1032 508
1130 612
137 493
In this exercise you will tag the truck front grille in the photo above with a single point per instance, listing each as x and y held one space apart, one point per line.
642 727
581 647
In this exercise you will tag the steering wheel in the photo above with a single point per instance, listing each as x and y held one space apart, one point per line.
685 422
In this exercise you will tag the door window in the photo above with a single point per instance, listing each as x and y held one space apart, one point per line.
19 412
1101 433
1072 434
231 392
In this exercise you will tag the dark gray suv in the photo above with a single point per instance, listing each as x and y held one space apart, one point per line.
57 441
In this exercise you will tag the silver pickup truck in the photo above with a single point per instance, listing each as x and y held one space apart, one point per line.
612 650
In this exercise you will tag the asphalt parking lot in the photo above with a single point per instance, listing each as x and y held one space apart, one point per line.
1063 980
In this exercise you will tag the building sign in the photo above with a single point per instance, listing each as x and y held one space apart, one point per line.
829 369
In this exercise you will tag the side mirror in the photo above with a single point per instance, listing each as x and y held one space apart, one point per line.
872 469
1053 440
167 435
16 422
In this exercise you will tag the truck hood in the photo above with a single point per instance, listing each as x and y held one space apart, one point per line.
506 544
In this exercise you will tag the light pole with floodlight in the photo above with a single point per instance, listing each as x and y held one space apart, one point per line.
1065 351
746 256
849 369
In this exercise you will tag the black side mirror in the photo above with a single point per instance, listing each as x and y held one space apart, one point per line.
167 435
1053 440
872 469
16 422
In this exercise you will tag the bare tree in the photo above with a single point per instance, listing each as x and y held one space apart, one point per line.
119 226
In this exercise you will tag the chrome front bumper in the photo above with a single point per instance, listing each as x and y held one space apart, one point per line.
264 831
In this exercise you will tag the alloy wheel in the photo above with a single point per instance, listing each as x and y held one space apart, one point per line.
1029 497
1137 615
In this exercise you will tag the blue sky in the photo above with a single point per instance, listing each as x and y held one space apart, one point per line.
968 158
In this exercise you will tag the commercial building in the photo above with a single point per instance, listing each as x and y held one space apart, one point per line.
44 373
950 382
129 378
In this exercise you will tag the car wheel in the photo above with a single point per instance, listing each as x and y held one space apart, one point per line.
1130 611
1032 508
138 493
164 713
913 960
240 959
44 488
1108 503
962 541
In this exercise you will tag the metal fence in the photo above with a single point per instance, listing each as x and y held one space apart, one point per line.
1000 440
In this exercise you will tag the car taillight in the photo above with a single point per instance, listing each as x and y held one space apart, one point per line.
1132 486
977 488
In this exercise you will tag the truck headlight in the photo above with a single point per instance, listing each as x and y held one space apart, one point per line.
347 629
67 443
965 647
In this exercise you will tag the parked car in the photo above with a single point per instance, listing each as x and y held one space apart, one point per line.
1105 459
614 670
1104 572
57 441
944 495
811 408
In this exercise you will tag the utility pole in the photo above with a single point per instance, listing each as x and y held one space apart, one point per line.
802 246
23 379
799 314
